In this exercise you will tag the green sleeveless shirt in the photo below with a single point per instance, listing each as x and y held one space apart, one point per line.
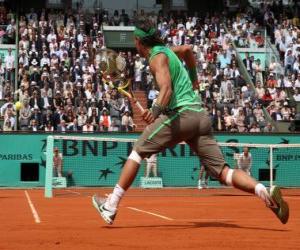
183 94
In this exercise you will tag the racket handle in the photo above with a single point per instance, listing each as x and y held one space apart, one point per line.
139 106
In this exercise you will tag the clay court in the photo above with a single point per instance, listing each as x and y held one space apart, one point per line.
148 219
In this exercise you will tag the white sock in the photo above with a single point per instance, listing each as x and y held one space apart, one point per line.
262 193
115 198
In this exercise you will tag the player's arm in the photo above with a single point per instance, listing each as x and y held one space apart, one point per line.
185 53
159 67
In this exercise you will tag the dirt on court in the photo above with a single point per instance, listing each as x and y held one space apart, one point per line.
150 219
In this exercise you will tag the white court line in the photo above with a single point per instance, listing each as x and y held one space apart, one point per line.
147 212
33 210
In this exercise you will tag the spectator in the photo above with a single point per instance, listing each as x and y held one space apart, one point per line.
266 98
244 161
37 116
218 122
9 62
127 122
151 96
138 68
248 64
258 71
286 112
62 127
33 126
105 121
94 118
7 125
296 95
57 163
271 82
240 121
151 166
49 127
88 127
254 128
9 120
73 126
25 115
269 128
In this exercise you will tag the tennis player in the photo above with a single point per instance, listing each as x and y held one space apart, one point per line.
178 116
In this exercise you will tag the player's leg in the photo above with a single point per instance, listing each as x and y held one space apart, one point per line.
107 207
153 140
273 198
211 156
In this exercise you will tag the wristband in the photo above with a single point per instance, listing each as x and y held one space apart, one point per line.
193 74
157 110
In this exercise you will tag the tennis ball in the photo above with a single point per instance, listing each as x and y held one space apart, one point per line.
18 105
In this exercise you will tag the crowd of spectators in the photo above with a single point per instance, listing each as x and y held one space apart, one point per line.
287 41
59 83
277 84
8 27
232 103
60 86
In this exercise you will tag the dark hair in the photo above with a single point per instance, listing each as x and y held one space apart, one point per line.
149 41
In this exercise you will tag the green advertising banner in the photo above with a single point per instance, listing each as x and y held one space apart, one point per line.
98 163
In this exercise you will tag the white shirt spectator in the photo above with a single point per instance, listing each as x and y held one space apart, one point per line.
80 38
282 46
289 39
11 119
245 162
24 60
9 61
296 66
297 95
288 83
189 24
45 61
138 66
51 37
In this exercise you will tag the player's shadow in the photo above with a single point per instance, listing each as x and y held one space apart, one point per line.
232 225
203 224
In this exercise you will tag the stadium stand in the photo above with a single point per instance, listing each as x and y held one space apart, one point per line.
60 88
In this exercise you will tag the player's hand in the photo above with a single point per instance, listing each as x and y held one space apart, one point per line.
147 116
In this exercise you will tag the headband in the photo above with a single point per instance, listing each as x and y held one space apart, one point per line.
142 34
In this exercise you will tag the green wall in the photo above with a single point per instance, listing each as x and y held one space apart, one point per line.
99 164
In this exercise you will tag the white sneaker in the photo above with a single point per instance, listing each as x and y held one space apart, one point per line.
106 214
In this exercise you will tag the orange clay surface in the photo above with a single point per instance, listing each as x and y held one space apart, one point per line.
180 219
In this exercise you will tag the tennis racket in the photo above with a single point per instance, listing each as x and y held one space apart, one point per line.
112 66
